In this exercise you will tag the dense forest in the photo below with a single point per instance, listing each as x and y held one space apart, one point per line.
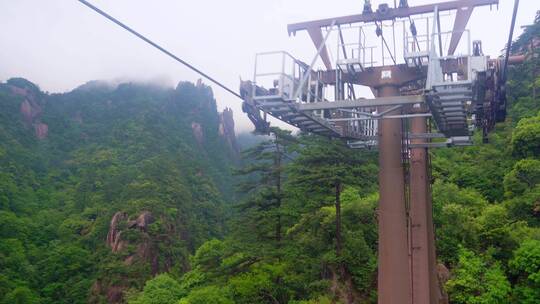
136 193
106 186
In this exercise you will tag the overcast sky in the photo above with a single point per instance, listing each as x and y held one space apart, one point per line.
61 44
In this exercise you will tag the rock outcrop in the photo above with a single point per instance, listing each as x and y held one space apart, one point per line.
41 130
29 111
142 221
131 240
120 224
226 130
30 108
113 236
197 132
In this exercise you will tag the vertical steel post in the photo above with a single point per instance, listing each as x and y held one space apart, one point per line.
419 213
394 286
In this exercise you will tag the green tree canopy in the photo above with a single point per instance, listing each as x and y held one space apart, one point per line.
526 137
160 290
477 282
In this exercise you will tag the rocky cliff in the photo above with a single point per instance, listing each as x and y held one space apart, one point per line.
31 105
138 241
226 130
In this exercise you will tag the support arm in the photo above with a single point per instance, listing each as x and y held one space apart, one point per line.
317 38
462 18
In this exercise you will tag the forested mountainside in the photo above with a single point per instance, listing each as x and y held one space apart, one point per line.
124 195
106 186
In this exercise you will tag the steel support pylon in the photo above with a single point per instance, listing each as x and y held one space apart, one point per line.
394 285
423 264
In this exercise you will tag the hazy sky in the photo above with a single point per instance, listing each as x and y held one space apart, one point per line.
61 44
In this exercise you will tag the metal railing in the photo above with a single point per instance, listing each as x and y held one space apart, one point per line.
355 55
282 74
439 42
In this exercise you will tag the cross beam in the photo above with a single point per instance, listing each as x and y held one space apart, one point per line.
390 14
362 103
464 10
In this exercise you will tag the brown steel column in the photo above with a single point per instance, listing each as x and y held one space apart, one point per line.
393 274
419 213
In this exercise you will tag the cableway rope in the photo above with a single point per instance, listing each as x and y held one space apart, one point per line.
509 44
386 44
127 28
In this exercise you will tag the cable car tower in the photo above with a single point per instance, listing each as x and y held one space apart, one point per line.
437 74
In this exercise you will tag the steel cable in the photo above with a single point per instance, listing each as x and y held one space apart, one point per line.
132 31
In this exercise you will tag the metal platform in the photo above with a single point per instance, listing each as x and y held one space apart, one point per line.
287 111
296 97
295 93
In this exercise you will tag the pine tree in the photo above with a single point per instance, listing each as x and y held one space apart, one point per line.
326 166
263 184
